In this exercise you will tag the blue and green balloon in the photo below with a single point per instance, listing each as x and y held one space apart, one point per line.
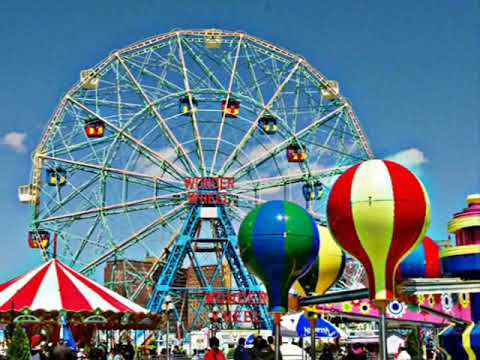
278 242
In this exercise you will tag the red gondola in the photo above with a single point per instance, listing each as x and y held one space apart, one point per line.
38 239
296 153
94 129
232 109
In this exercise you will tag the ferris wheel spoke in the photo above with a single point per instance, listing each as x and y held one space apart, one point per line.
150 178
84 242
155 265
229 161
224 114
137 236
356 123
76 192
198 60
158 201
161 80
196 132
252 201
154 156
239 213
110 104
277 181
251 69
240 172
161 121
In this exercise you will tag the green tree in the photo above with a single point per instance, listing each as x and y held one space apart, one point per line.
413 344
19 348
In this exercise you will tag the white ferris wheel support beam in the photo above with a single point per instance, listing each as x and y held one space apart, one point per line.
224 114
105 209
250 198
283 145
136 142
136 237
276 181
252 128
186 83
113 170
163 124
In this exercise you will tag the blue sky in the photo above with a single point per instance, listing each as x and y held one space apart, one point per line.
410 69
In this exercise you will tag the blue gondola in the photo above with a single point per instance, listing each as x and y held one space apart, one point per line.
184 106
312 191
56 177
268 124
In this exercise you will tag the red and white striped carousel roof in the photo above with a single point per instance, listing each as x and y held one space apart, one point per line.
54 287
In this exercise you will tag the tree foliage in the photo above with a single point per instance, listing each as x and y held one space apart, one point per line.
19 348
413 344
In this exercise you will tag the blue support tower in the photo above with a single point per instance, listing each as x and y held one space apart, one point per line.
208 230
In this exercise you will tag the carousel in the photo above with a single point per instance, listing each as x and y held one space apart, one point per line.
53 298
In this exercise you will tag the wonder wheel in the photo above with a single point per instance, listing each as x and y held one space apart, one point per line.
150 161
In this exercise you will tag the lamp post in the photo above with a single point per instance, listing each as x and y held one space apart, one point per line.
312 317
215 317
166 308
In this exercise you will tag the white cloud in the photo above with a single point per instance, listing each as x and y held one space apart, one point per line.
15 141
412 157
147 167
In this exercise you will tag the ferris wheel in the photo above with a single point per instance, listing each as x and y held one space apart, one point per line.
131 147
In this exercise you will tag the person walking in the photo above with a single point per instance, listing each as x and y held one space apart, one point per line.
241 352
214 353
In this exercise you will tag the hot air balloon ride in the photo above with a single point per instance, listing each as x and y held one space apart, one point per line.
278 243
326 270
378 211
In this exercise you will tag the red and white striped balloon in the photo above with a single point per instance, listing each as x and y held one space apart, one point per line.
378 211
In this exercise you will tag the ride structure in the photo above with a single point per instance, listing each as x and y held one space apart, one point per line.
161 150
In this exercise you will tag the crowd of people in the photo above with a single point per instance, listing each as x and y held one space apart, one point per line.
61 351
261 349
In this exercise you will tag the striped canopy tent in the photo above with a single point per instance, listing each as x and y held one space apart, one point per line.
54 289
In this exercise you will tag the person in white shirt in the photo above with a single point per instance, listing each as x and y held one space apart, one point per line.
403 354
